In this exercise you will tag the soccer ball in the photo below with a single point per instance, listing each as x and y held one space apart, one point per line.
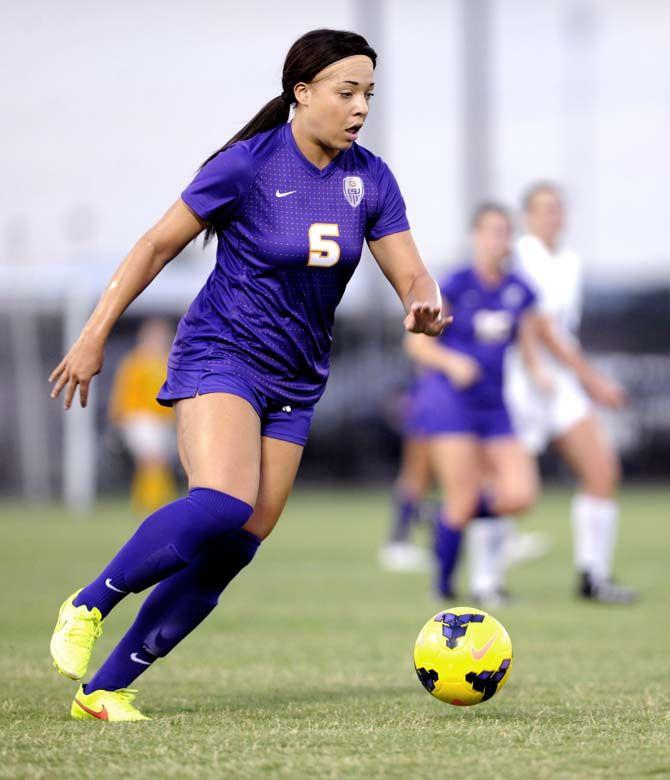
463 656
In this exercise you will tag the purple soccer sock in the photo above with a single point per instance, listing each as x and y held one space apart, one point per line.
164 543
405 511
174 608
447 547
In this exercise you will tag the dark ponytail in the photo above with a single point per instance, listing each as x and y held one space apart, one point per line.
273 114
309 55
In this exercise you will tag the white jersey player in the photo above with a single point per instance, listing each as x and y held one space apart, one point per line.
547 397
551 402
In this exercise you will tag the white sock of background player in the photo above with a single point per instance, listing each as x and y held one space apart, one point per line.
594 525
486 537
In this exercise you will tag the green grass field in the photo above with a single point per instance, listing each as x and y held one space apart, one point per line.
305 668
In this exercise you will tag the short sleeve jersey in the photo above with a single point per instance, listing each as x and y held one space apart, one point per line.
289 239
556 278
486 322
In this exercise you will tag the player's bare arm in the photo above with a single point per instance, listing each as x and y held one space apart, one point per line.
399 260
461 369
601 389
160 244
531 352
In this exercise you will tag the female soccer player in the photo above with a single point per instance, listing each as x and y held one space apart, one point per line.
550 402
472 445
290 204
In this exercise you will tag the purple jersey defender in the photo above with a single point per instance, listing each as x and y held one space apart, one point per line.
289 239
486 322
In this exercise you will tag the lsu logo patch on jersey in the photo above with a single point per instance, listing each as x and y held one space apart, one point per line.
492 327
353 189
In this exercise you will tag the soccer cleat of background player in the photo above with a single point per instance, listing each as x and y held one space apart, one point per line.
76 631
112 706
605 591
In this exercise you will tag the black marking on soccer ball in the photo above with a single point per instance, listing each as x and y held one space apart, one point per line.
488 682
427 678
455 626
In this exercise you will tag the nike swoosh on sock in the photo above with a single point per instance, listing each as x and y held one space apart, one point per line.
108 583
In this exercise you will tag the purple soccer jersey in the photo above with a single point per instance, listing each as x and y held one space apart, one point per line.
486 321
289 239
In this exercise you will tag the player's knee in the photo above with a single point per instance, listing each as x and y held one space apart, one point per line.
603 481
209 514
613 474
262 522
413 486
525 499
459 512
243 490
219 504
414 478
518 498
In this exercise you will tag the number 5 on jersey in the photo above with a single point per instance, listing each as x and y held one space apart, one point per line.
323 251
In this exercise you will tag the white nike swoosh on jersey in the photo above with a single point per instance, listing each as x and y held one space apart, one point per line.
108 583
284 194
134 657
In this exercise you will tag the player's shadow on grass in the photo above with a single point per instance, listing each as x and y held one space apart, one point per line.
273 701
397 700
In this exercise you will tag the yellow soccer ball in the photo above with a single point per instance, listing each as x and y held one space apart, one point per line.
463 656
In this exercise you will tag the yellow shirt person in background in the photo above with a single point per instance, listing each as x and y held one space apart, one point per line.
147 427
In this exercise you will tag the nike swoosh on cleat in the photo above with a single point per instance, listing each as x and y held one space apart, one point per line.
102 715
478 654
284 194
138 660
108 583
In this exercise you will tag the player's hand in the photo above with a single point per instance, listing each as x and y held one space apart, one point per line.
604 391
424 318
462 370
78 367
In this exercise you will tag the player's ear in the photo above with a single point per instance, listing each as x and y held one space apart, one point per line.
303 93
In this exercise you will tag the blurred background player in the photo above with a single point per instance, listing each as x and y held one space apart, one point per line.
481 468
411 504
550 401
147 428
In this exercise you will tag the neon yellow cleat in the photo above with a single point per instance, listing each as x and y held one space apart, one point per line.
73 638
112 706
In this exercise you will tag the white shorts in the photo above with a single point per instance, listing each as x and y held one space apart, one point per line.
539 418
148 437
